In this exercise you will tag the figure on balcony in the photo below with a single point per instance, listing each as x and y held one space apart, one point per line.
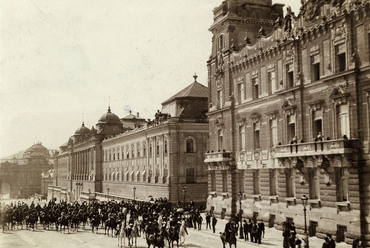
294 140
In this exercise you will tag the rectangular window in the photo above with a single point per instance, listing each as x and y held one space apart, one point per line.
313 228
340 57
341 231
190 178
256 182
317 123
289 75
343 121
273 182
271 82
291 127
314 184
213 181
241 95
219 99
256 128
242 137
220 139
342 185
224 181
315 68
273 132
255 88
290 183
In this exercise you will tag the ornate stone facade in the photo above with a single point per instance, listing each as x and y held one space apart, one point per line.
289 115
131 157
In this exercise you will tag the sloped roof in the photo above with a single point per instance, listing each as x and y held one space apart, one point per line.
193 90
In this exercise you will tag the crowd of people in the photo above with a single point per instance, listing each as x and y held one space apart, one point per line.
153 218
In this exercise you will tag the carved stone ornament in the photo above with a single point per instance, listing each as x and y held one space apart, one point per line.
311 9
317 105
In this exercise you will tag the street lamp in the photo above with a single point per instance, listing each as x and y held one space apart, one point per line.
184 191
89 196
108 191
134 188
241 236
304 202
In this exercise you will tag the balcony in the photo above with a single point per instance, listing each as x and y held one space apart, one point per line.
348 148
221 160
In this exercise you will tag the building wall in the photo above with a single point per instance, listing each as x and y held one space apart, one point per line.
341 163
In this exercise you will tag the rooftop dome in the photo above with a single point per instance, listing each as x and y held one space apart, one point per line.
82 130
109 118
37 150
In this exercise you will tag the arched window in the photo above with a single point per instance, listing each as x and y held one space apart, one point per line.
189 146
165 147
221 41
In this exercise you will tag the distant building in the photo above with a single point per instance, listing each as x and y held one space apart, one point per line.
290 115
131 157
20 177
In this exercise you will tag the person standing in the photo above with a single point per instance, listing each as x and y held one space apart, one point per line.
254 232
200 220
214 222
286 236
260 231
245 230
208 221
326 243
331 241
356 243
250 225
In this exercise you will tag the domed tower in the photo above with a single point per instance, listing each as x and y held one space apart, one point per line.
109 124
36 151
82 131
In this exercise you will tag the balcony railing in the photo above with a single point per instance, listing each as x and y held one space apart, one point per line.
216 157
221 160
325 147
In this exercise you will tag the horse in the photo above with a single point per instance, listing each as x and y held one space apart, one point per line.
231 239
133 233
31 219
110 223
157 240
63 221
95 222
122 234
182 233
173 235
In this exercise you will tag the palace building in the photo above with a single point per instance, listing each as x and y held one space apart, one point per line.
134 158
21 174
289 115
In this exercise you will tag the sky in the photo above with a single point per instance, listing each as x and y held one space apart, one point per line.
64 62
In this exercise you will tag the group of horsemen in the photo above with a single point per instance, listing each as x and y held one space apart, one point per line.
152 218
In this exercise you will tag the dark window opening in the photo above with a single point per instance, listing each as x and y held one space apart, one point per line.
316 72
341 230
255 88
189 146
317 127
291 131
313 228
190 178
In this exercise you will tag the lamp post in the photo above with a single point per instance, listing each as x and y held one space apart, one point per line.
304 202
134 188
89 196
108 191
241 236
184 191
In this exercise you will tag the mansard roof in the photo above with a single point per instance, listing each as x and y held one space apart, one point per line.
195 89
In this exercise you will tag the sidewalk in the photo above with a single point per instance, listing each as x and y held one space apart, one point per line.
273 237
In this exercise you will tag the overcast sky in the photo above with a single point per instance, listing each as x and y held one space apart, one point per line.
61 61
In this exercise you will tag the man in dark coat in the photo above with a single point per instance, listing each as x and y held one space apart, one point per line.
245 230
331 241
214 222
208 221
